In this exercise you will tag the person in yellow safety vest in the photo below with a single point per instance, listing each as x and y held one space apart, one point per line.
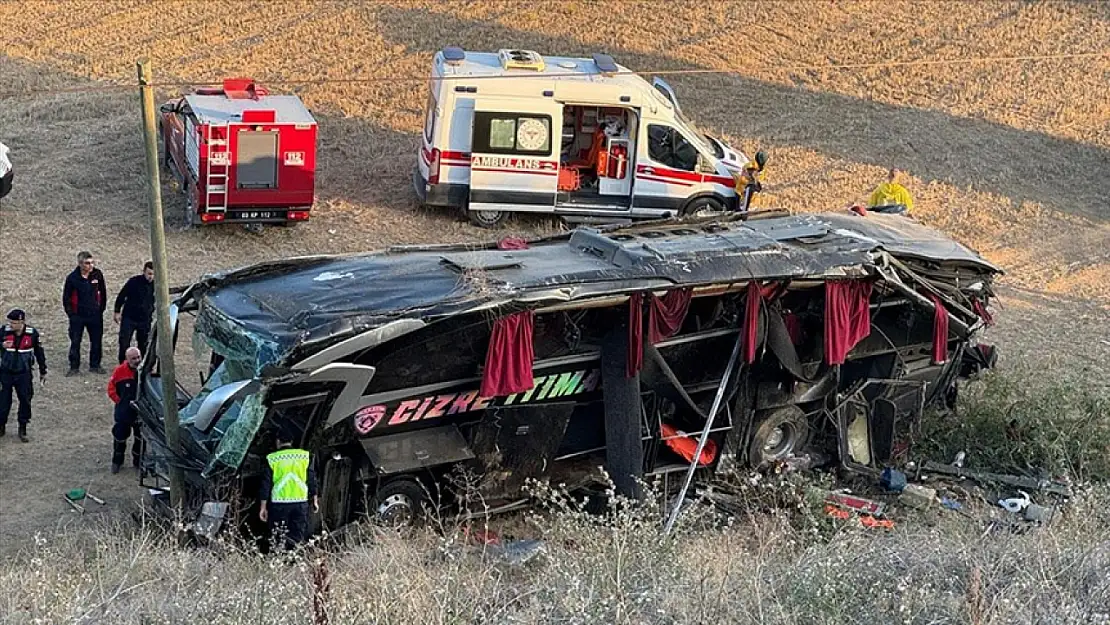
890 196
287 488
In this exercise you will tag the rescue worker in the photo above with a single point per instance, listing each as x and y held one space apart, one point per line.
134 308
85 297
6 171
122 390
286 490
891 196
20 349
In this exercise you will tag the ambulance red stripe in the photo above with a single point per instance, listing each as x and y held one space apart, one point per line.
673 175
665 180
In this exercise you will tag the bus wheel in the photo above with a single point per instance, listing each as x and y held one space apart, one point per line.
779 433
398 502
703 205
487 219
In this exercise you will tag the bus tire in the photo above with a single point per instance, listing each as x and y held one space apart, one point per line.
778 434
398 502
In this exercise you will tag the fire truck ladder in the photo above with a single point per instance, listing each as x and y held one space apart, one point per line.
219 164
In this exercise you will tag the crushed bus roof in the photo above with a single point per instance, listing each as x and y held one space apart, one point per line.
305 300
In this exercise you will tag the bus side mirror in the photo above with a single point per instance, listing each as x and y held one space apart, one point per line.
761 159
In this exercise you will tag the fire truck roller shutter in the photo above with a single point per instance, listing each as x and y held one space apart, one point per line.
256 159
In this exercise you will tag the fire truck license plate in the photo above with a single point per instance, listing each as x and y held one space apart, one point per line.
257 215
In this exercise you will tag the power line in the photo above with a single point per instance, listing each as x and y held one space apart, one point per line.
665 72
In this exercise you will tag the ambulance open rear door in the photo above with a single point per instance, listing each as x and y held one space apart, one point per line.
514 156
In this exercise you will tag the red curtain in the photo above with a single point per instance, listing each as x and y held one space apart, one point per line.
847 317
981 310
751 321
635 334
509 356
667 313
665 317
793 327
940 331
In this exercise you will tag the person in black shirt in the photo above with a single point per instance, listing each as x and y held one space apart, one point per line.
20 350
85 297
134 309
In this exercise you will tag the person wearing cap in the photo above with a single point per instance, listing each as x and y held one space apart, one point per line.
286 490
20 349
122 390
85 297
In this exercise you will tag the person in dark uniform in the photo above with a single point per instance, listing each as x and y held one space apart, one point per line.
85 297
134 309
122 390
20 349
286 490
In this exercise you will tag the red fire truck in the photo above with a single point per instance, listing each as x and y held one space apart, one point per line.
240 154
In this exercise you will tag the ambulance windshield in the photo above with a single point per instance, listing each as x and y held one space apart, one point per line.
702 139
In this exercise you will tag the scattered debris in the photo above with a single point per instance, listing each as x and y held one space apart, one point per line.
1039 514
1015 504
951 504
865 520
1016 481
918 496
792 462
514 552
75 495
211 518
959 461
73 504
893 479
518 552
855 504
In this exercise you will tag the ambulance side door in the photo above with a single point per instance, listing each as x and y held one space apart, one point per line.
666 168
514 155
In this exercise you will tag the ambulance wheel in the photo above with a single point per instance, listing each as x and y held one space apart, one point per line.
778 434
399 502
487 219
703 204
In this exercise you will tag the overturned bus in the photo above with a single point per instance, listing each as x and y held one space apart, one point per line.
822 336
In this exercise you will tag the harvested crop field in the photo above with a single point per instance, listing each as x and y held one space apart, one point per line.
1012 158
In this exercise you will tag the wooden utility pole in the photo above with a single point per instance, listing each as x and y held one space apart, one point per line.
161 287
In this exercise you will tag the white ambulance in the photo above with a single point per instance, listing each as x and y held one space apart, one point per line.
585 139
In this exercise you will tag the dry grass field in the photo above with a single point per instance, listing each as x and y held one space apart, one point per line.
1013 158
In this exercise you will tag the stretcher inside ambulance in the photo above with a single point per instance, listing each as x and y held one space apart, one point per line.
586 139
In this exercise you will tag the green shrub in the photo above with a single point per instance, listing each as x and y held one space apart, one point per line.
1017 421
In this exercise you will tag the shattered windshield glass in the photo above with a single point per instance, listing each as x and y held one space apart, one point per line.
227 372
239 355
